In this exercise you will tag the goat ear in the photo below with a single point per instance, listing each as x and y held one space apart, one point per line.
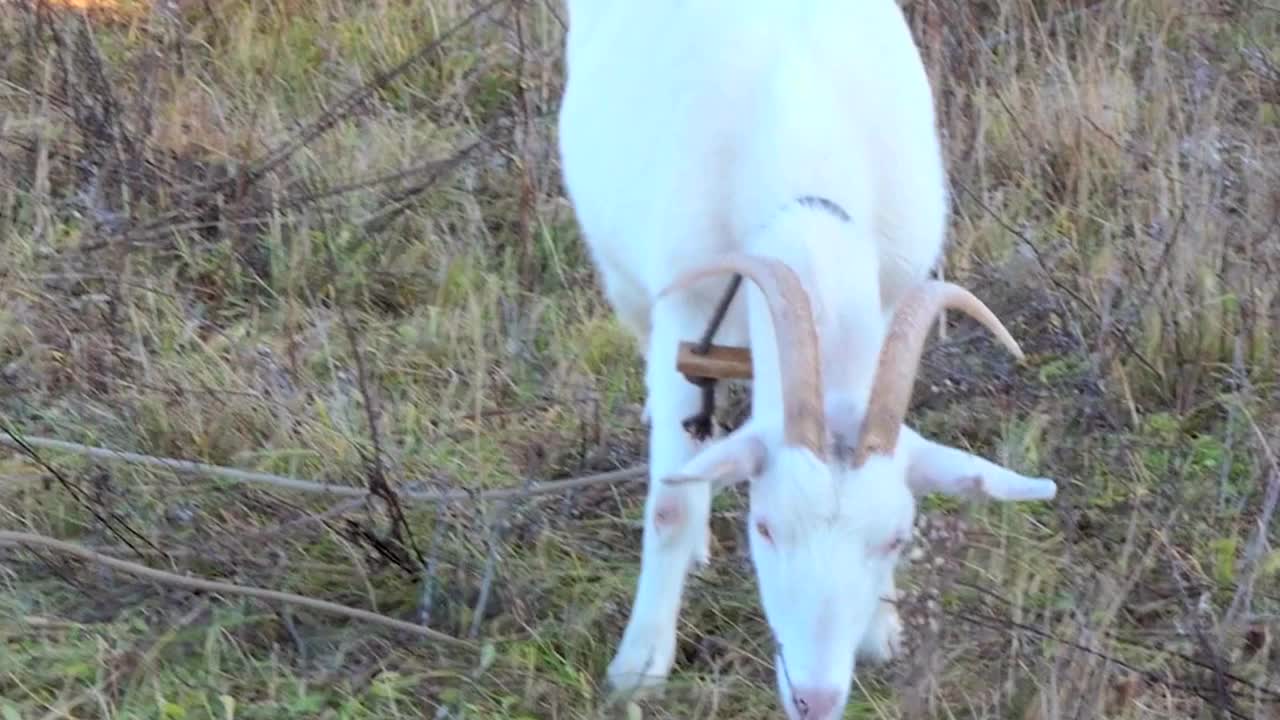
734 458
934 467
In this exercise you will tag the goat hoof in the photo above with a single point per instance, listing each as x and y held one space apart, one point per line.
640 668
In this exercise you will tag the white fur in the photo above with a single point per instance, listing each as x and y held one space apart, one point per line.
688 129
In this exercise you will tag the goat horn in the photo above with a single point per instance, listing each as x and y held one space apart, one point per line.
900 359
793 325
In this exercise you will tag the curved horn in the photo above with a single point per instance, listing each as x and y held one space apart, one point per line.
793 325
900 359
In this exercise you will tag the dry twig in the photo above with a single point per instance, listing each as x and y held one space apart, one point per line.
187 467
8 537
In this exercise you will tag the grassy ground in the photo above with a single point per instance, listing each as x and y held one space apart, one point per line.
211 250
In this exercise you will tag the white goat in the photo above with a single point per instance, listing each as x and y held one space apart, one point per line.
792 143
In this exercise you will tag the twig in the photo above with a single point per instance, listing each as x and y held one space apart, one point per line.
377 481
425 174
486 582
993 623
335 113
496 532
1238 381
1243 599
12 440
1223 701
429 580
1022 237
203 585
187 467
257 538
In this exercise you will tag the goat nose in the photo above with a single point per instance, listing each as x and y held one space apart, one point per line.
816 703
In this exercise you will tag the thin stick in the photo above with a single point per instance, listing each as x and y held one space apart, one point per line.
187 467
200 584
1242 602
256 537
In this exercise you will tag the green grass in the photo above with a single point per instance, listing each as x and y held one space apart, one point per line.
1114 168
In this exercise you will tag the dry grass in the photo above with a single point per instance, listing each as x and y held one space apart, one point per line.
206 253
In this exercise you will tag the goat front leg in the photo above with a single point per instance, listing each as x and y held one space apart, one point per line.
676 533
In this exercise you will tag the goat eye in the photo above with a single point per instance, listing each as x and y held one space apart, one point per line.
763 529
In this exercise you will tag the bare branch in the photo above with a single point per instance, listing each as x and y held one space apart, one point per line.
115 525
187 467
202 585
1241 603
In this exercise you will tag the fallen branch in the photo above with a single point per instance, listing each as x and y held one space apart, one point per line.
1256 550
187 467
213 586
257 537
